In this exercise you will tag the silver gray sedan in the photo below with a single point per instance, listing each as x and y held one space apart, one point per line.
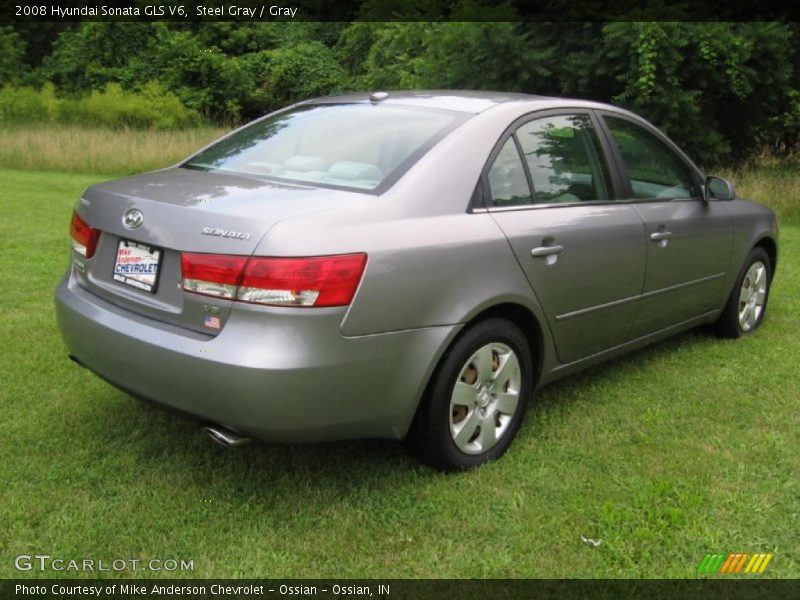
406 265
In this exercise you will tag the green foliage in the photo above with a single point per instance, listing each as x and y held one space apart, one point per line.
225 71
293 73
719 89
95 54
787 124
232 38
461 55
496 56
231 88
28 105
12 49
113 107
395 56
152 107
714 87
203 77
653 83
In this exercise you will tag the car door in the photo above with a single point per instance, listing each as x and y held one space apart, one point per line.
548 187
689 239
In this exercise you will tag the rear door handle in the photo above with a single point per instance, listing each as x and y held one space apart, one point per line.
660 235
544 251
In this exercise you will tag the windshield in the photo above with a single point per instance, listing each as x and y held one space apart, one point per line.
340 145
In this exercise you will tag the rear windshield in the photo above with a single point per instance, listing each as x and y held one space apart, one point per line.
358 146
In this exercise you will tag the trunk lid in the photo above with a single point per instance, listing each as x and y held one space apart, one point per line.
186 210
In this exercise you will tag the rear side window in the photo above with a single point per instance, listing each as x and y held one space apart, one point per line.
342 145
508 184
655 171
564 159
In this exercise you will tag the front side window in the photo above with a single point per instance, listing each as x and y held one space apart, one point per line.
655 171
564 159
508 184
345 145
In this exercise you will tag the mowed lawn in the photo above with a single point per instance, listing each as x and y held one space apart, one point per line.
689 447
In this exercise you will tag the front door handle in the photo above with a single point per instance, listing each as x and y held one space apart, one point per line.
660 235
545 251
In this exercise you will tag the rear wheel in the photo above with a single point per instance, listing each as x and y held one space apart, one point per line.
477 398
745 308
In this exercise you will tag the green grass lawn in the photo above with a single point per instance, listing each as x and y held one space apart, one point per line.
688 447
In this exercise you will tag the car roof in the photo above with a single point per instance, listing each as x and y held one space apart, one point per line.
467 101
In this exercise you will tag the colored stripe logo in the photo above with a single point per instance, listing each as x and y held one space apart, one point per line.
734 563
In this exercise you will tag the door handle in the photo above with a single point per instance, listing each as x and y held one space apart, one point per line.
660 235
545 251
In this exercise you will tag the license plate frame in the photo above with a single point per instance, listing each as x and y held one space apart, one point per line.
140 265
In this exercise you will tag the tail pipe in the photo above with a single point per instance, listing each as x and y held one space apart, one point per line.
224 437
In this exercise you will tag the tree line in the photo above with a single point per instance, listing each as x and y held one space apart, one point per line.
721 90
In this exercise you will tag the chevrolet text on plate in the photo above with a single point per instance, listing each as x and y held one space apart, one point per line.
405 265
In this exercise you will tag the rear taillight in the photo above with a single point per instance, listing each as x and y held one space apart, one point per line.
315 281
319 281
84 237
212 274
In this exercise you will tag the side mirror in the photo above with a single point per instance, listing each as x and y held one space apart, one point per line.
718 188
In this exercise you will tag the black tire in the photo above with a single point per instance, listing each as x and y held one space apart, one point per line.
729 325
431 437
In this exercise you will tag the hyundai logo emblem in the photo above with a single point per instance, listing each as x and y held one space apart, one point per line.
132 218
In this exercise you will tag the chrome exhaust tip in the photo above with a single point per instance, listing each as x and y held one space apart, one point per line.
224 437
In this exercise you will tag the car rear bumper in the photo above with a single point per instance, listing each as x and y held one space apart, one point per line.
276 374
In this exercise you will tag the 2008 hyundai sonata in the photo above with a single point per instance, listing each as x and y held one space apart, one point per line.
406 266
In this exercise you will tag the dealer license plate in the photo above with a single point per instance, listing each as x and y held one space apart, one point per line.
137 265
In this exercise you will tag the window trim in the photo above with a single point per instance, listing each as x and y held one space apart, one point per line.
615 182
525 167
622 168
483 180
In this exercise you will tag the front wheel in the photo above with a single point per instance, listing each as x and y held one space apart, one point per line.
745 308
477 398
